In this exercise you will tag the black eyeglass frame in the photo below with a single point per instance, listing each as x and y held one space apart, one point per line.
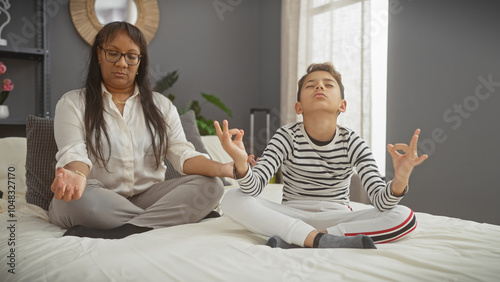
120 57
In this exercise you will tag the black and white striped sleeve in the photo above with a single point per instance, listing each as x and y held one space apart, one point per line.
278 148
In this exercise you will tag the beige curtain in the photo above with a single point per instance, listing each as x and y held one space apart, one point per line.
290 23
338 31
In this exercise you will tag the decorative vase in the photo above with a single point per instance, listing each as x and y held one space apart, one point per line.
4 111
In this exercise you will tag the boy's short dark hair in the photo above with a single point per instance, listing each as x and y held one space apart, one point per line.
328 67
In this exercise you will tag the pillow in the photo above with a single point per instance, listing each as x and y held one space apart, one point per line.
188 121
217 153
190 127
40 160
170 173
13 152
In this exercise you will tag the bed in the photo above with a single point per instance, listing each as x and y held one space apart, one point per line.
217 249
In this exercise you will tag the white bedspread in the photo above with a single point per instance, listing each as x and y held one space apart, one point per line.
441 249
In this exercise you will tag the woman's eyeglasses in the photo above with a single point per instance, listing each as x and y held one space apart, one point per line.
113 56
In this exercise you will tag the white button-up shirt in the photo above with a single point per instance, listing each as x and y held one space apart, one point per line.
132 162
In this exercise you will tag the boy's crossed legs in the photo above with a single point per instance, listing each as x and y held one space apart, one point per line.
291 223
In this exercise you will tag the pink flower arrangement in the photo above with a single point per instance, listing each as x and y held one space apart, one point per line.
3 68
7 85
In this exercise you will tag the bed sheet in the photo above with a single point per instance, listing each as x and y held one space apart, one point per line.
441 249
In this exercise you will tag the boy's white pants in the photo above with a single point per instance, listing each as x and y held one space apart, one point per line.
294 220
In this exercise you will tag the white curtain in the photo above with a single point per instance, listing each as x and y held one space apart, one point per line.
337 31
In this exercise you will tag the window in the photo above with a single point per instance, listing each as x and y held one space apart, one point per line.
353 35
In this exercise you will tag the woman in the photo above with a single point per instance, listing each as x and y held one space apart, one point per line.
113 136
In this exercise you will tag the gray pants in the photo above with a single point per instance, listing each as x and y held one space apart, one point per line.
177 201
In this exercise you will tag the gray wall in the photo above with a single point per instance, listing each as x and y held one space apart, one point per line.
234 55
440 54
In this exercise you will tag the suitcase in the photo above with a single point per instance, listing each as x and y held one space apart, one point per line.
277 177
252 127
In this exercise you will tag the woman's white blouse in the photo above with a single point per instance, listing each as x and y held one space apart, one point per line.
131 167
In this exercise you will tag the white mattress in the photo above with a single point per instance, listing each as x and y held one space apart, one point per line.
441 249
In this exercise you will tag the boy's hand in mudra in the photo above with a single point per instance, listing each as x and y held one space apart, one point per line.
234 147
404 162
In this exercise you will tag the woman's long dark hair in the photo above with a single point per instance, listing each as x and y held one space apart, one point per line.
95 125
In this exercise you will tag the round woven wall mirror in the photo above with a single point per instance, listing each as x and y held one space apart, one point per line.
89 16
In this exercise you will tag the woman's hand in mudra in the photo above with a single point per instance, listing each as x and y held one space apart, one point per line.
68 185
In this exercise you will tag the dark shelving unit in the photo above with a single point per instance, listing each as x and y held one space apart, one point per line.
41 56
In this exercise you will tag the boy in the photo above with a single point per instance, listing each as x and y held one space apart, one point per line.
317 158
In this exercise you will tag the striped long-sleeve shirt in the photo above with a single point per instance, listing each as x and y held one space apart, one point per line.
312 172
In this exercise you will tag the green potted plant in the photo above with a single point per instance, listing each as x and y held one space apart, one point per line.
205 125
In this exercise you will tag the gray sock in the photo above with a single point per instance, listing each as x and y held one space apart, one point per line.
277 242
332 241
